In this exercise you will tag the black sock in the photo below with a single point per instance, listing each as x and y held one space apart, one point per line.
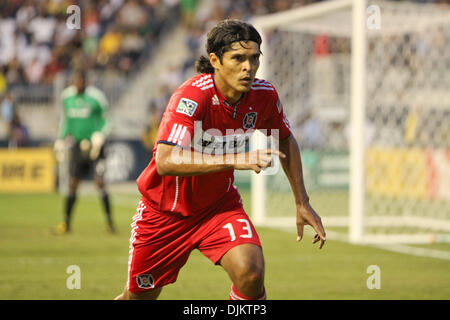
70 201
107 207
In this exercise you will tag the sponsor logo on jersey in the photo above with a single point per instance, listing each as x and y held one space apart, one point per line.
187 107
83 112
145 281
212 141
229 144
250 120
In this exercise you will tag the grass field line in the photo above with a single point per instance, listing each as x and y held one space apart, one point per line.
421 252
399 248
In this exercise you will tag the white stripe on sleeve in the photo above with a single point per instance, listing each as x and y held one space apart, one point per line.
172 132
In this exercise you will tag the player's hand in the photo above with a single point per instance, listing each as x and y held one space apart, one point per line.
307 216
256 160
97 142
59 148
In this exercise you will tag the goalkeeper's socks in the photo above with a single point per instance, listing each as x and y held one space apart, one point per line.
70 201
107 208
236 295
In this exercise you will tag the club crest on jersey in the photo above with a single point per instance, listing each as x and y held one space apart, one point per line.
145 281
250 120
187 107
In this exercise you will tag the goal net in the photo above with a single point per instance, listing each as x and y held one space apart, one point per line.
365 86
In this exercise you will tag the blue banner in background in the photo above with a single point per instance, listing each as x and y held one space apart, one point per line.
125 159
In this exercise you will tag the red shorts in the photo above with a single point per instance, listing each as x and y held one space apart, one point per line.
160 244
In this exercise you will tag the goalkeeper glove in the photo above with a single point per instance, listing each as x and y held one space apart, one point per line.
85 147
97 142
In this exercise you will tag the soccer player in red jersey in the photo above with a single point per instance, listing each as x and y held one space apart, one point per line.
188 199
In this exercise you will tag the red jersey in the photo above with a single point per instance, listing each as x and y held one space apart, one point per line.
198 104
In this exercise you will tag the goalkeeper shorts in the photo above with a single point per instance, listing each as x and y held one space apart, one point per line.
81 165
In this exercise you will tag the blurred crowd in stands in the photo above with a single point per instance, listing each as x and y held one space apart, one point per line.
116 37
36 43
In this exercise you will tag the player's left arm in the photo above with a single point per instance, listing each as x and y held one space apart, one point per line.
98 137
292 166
64 130
104 125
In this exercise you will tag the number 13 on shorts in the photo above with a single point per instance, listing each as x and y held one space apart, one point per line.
245 225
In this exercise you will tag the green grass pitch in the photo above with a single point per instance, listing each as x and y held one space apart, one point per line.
33 262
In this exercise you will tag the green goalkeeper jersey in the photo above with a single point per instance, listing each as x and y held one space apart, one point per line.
84 113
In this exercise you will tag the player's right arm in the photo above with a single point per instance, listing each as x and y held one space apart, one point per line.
175 161
59 145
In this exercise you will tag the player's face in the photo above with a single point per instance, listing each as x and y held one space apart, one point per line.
236 72
79 83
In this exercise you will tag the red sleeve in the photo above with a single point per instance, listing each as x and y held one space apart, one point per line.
276 118
184 108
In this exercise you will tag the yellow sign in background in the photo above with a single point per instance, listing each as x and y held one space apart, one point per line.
27 170
397 172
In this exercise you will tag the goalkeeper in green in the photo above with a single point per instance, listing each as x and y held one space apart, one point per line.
83 132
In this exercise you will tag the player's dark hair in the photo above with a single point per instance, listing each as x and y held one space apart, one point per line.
221 37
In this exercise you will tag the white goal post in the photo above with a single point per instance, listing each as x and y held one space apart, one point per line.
370 100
